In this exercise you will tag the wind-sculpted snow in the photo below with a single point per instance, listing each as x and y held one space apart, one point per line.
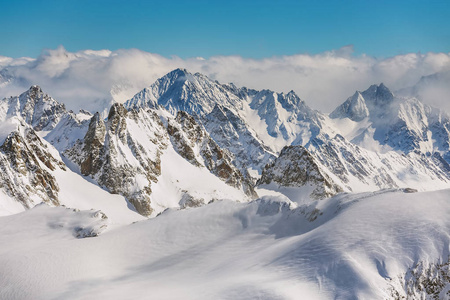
352 246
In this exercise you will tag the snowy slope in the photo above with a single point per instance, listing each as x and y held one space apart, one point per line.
360 246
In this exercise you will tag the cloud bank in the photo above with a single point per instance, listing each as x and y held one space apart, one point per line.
92 79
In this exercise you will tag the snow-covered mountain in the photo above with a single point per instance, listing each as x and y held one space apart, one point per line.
124 155
314 204
251 124
374 140
399 123
132 153
353 145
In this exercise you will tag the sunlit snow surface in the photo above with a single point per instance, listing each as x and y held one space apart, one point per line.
347 247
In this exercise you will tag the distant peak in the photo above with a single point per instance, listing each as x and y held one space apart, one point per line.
33 92
291 93
378 94
179 71
117 109
383 87
383 93
35 89
357 96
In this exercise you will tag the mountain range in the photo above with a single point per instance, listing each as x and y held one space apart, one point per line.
187 141
238 137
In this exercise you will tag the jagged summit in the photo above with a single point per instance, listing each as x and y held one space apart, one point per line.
260 122
182 90
354 108
35 107
371 102
34 89
378 96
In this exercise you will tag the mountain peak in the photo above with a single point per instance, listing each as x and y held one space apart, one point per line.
36 108
35 88
179 71
33 92
378 95
353 108
178 74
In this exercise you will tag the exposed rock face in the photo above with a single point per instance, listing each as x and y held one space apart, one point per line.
110 154
231 132
189 201
25 165
423 281
123 154
348 162
97 224
296 167
93 144
188 138
336 165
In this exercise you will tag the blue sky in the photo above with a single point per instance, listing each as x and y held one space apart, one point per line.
253 29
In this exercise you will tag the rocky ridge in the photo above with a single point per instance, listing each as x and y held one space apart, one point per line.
26 163
188 137
123 153
111 155
296 167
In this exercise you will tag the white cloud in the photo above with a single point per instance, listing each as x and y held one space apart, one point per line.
91 79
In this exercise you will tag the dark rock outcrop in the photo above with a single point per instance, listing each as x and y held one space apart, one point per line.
296 167
25 165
